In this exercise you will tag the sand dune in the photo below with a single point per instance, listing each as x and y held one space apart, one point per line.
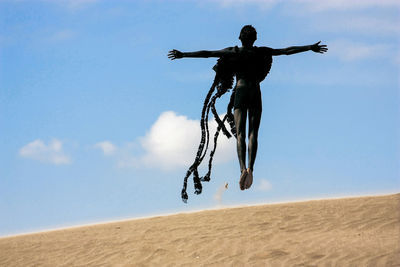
363 231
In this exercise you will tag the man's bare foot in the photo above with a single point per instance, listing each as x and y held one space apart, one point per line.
242 179
249 179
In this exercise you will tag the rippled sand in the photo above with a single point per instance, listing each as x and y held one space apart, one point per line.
362 231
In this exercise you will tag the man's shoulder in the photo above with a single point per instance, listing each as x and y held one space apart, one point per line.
264 50
231 49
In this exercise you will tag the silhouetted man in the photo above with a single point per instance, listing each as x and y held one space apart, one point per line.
248 61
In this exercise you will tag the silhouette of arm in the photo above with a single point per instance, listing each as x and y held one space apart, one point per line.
175 54
317 48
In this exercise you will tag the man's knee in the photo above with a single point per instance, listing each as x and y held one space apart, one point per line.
253 136
241 137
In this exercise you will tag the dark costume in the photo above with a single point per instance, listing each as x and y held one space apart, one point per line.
252 64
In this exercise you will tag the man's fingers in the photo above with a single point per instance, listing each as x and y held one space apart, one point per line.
322 49
172 54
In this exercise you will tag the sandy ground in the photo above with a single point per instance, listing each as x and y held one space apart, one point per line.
362 231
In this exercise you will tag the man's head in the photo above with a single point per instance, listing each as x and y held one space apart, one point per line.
248 35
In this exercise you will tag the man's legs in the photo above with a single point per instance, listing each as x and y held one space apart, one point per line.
240 124
254 125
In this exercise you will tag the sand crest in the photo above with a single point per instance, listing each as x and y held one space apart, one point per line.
363 231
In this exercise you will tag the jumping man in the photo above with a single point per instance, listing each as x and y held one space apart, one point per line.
249 64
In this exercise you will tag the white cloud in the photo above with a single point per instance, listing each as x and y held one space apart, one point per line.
107 147
346 4
172 143
51 153
364 24
261 3
264 185
350 51
315 5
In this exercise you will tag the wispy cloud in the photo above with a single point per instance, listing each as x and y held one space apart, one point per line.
62 35
72 4
314 5
349 51
261 3
263 185
107 147
75 4
345 4
52 152
363 24
341 16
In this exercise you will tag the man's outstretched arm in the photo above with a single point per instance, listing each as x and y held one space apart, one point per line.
317 48
175 54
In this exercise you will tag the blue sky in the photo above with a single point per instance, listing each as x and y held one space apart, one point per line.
97 124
